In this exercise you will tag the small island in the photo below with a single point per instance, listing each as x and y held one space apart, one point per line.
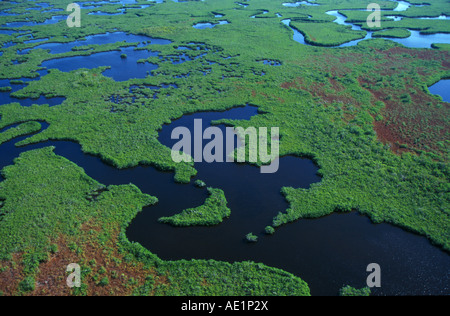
212 212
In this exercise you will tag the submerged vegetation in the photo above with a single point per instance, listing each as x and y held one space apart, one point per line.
363 114
250 237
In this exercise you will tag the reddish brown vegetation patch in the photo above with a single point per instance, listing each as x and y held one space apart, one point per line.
103 261
51 279
337 65
332 93
418 120
272 97
337 86
353 58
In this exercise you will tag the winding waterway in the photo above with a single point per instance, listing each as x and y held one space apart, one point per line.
441 88
328 252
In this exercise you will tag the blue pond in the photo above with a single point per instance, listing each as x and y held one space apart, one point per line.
100 39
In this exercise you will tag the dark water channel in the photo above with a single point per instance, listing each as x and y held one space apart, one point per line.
327 253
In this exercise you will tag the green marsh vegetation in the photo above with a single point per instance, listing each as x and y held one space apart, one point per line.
212 212
250 237
363 114
350 291
200 183
53 214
